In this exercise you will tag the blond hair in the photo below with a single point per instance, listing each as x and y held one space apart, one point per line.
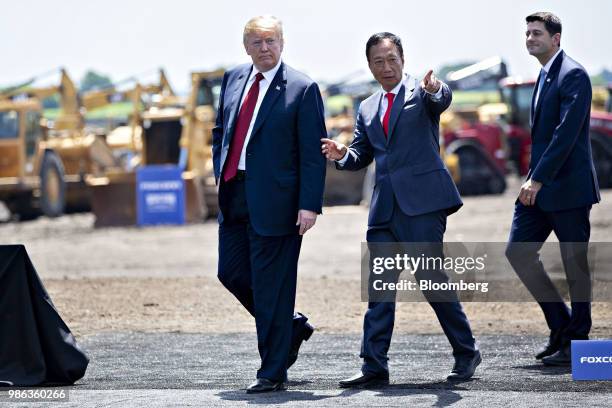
263 23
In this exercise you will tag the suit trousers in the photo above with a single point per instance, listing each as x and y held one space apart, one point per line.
573 229
380 316
261 272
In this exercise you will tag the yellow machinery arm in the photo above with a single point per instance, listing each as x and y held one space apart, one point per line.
70 117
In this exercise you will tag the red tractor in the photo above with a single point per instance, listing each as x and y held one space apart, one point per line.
480 149
479 144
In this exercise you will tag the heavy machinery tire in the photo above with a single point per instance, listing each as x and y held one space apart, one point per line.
22 205
478 172
473 170
603 165
496 185
52 185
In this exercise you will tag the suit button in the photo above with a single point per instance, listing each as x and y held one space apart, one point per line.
249 154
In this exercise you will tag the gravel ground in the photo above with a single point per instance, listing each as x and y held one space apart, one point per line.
171 369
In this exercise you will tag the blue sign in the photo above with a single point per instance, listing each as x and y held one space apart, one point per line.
592 359
160 195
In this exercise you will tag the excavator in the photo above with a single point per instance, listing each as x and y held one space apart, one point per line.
126 140
172 132
43 163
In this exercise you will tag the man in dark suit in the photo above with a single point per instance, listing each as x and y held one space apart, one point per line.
270 173
413 194
561 186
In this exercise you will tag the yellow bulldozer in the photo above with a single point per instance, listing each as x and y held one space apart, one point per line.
126 140
174 132
44 164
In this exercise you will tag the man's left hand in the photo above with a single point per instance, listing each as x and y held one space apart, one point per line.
430 83
306 220
528 193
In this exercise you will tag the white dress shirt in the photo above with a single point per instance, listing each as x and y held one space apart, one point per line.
384 103
546 68
264 84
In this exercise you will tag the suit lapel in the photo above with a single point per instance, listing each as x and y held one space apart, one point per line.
402 97
550 77
410 85
376 122
274 90
532 110
545 87
234 104
396 108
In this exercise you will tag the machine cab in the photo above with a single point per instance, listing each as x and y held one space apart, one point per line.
20 134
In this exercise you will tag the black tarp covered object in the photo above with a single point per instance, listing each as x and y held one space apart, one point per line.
36 346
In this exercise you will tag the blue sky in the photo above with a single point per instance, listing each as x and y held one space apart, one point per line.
324 38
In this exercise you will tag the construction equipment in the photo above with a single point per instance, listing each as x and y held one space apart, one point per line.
342 101
601 142
172 132
479 149
471 131
126 140
44 164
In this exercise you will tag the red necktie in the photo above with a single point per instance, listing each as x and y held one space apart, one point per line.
385 122
242 127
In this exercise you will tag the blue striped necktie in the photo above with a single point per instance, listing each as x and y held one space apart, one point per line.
540 85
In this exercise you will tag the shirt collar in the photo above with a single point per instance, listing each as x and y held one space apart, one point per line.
546 67
397 87
268 75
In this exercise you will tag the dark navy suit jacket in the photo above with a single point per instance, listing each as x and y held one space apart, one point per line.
284 165
561 155
408 163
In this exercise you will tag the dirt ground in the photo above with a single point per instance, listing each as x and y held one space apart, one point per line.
202 305
164 278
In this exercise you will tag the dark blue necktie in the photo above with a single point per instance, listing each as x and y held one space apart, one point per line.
540 85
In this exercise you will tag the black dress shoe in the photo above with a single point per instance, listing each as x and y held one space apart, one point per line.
562 358
302 330
464 368
553 345
265 385
365 380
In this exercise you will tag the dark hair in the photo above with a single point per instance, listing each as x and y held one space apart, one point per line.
378 37
551 22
